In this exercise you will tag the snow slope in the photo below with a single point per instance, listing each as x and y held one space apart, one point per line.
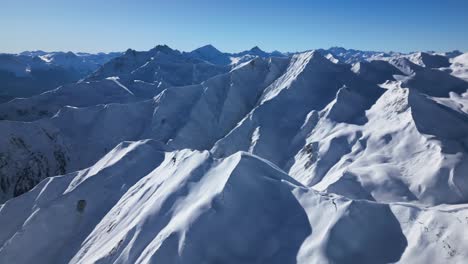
142 203
193 116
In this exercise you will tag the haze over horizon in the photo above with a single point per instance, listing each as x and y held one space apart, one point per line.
89 26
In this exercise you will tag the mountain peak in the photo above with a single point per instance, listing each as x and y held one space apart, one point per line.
130 52
337 49
162 48
257 52
256 49
207 49
210 54
70 54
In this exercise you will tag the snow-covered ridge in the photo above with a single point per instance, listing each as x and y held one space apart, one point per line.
32 72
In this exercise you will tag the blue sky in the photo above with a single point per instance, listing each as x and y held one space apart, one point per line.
293 25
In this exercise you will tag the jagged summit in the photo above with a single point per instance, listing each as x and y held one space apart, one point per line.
130 52
162 48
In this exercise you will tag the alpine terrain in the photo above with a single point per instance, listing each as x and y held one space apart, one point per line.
162 156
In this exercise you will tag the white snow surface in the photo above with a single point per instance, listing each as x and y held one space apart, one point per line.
460 66
147 204
274 159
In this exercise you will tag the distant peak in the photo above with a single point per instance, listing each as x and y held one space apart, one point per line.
336 48
162 48
130 52
70 54
207 48
256 49
257 52
453 54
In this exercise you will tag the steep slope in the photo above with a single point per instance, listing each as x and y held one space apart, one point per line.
142 204
386 159
273 128
225 101
73 139
405 65
193 116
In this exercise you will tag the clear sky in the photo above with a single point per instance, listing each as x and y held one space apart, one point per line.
289 25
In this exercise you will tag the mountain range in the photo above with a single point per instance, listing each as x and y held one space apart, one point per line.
161 156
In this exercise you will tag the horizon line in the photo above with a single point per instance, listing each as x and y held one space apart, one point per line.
231 52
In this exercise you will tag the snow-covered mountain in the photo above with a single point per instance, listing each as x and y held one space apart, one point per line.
161 65
209 157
